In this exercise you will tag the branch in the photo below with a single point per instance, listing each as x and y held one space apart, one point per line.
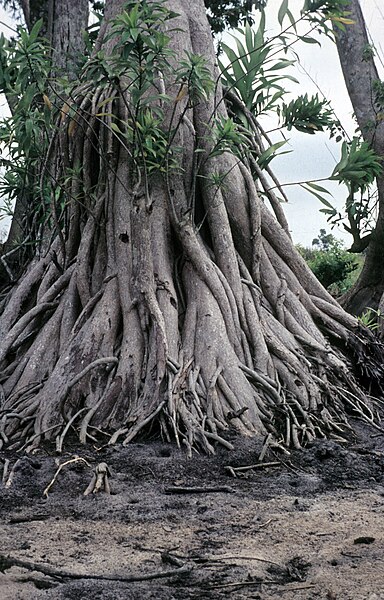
6 562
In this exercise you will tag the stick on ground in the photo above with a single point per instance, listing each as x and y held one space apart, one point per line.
198 490
6 562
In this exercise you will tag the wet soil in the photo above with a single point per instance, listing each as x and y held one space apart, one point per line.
309 527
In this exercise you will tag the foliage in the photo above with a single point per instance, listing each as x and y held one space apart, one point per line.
253 71
359 165
227 14
371 318
320 12
140 55
378 89
325 241
358 168
24 70
224 14
330 262
307 114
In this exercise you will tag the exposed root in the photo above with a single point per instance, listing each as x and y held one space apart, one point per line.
99 481
60 468
9 480
170 303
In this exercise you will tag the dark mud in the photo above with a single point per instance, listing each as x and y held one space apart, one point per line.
310 527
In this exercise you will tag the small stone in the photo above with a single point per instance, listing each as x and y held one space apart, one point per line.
364 539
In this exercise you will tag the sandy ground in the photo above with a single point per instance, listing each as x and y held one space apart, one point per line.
311 528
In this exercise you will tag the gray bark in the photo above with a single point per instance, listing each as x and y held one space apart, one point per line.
138 316
360 73
63 24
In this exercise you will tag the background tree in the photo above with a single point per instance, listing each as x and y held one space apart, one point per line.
365 90
62 25
163 291
330 262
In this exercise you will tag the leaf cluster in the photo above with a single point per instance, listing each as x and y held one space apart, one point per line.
371 318
321 12
359 165
253 71
378 90
24 79
308 115
140 65
227 14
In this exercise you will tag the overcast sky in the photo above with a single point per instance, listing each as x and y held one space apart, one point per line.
314 156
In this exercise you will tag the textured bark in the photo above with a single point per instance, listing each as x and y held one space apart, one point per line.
359 76
67 21
167 303
63 24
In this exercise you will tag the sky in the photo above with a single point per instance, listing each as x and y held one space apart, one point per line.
314 156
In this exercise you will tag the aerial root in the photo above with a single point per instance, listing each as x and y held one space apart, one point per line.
8 479
281 378
61 466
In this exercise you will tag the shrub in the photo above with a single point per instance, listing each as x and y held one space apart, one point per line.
332 264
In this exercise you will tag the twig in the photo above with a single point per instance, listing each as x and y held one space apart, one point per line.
238 584
309 586
9 481
265 524
67 462
5 471
28 518
240 557
197 490
265 447
234 470
172 559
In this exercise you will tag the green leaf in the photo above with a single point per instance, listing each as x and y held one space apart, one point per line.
266 156
309 40
282 64
116 128
35 31
317 187
282 12
292 20
322 200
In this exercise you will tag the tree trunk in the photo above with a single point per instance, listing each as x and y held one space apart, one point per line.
167 300
360 73
64 22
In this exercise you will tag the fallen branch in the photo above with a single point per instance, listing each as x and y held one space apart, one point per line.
261 582
240 557
6 562
198 490
237 470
